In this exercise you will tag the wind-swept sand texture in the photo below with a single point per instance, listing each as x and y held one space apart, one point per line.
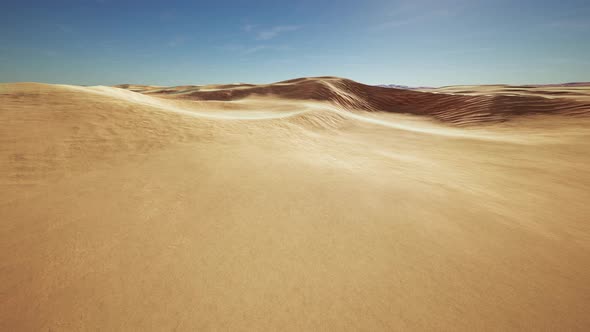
310 204
573 91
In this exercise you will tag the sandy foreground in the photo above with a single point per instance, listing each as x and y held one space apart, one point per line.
205 208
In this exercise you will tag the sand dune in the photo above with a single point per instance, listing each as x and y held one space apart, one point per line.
457 105
573 91
308 204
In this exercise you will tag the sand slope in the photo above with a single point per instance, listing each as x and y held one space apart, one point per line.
571 91
456 105
183 210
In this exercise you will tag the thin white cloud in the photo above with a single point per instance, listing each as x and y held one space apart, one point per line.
248 27
275 31
413 12
258 48
254 49
396 23
246 50
407 20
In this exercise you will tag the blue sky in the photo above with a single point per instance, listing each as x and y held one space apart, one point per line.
413 42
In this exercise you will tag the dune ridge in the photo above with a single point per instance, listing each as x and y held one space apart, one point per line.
458 109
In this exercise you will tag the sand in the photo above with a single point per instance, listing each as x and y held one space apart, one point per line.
294 206
572 91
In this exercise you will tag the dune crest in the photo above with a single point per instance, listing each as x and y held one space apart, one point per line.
462 108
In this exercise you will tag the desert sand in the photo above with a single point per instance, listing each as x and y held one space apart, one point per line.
304 205
572 91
